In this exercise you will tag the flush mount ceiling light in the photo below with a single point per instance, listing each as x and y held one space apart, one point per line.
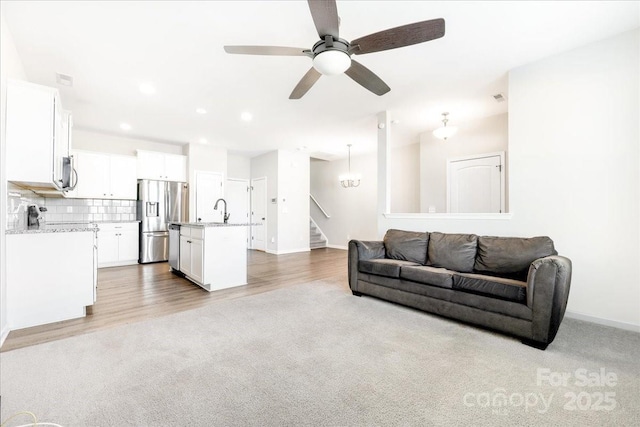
445 131
147 88
202 141
125 126
201 111
246 116
350 180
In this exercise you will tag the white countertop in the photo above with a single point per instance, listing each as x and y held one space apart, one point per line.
64 227
215 224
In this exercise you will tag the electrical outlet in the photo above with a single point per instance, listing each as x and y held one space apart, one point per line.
273 240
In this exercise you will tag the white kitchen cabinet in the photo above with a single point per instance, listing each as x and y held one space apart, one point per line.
105 176
36 139
161 166
191 254
118 244
50 277
214 257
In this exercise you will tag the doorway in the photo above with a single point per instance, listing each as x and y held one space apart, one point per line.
476 184
259 213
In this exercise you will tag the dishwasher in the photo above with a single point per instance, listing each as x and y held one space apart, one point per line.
174 247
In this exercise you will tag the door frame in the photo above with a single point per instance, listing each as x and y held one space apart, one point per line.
500 154
266 218
247 183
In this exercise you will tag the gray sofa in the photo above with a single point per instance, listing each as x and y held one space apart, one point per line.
518 286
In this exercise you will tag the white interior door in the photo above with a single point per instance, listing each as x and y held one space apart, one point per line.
476 184
208 189
237 196
259 213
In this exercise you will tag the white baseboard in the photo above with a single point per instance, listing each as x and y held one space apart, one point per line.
289 251
605 322
344 248
4 334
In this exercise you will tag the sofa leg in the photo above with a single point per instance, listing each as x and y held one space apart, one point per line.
356 293
535 344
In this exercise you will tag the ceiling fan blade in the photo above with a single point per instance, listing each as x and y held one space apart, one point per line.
305 84
366 78
267 50
325 17
405 35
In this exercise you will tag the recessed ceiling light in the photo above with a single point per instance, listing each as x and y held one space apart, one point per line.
246 116
201 111
125 126
202 140
147 88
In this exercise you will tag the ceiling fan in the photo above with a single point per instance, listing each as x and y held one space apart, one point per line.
332 55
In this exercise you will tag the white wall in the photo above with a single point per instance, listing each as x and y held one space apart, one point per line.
293 201
405 178
575 147
486 135
10 68
238 167
351 210
115 144
203 158
575 173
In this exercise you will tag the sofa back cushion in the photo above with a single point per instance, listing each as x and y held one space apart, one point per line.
406 245
511 256
455 252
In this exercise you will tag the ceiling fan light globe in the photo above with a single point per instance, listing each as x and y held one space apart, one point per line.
445 132
331 62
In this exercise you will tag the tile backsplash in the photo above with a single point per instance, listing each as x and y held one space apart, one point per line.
61 210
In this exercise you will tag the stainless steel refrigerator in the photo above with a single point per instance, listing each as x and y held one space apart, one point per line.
159 203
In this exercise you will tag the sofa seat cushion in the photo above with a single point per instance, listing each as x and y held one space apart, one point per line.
383 267
455 252
495 287
481 302
406 245
429 275
510 256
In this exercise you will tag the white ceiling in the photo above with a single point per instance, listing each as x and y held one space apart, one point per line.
109 48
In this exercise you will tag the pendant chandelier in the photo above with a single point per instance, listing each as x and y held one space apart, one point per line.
349 180
445 131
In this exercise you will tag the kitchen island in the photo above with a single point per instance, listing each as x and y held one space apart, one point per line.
213 255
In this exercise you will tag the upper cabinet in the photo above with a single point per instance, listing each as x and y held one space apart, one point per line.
37 137
162 166
105 176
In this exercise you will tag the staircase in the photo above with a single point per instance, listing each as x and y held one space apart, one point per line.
315 237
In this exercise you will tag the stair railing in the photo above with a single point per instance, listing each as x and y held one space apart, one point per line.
319 207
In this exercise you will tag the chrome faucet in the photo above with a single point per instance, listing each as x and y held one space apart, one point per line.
226 215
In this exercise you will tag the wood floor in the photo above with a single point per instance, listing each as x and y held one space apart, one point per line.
139 292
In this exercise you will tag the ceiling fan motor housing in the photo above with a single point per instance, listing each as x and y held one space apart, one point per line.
331 56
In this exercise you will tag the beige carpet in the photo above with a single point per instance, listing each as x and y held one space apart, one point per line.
315 355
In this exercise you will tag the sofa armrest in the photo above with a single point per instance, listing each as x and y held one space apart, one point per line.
359 250
548 285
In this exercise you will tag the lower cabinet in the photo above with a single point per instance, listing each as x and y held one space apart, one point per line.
50 277
117 244
191 254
